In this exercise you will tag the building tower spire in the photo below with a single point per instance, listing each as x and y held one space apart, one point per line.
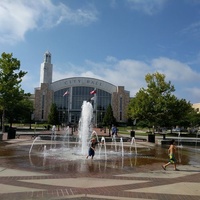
46 69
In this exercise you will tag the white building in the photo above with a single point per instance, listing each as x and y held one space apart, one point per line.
79 88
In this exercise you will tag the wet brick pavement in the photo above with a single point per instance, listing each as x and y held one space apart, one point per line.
144 182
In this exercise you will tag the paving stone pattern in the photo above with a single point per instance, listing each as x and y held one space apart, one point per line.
145 182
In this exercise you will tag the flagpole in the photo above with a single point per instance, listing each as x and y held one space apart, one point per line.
67 93
96 108
93 92
68 110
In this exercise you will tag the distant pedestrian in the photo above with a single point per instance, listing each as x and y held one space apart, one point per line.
171 152
114 131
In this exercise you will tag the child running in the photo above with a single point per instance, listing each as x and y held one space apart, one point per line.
172 159
92 148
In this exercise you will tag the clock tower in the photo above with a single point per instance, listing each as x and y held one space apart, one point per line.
46 69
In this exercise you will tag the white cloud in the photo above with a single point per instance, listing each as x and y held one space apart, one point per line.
15 19
193 29
131 74
194 92
20 16
111 59
175 70
149 7
29 83
128 73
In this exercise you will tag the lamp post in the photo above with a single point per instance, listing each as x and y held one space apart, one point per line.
63 119
35 127
68 114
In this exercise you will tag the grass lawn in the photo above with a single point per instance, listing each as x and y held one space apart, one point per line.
128 129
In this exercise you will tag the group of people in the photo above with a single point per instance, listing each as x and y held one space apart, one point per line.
94 142
171 152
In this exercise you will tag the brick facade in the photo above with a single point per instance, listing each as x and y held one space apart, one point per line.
120 101
43 102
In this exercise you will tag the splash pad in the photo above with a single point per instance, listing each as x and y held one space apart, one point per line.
68 152
75 147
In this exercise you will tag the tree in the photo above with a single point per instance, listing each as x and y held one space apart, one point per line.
195 119
21 112
156 105
10 79
53 117
109 118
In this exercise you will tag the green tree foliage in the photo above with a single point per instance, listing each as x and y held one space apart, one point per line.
157 106
194 119
109 118
21 112
53 117
10 79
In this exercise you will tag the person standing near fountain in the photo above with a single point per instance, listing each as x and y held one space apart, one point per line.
92 148
114 131
172 159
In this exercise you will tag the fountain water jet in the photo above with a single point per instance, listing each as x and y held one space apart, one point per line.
37 138
75 147
122 145
103 143
114 142
133 142
94 134
85 126
179 140
66 137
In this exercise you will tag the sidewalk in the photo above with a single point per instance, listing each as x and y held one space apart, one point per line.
19 181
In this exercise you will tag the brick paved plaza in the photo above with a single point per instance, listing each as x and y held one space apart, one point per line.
25 177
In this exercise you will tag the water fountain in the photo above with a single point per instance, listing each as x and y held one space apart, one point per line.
179 141
66 156
122 146
66 137
114 142
37 138
75 147
85 133
94 134
103 143
85 126
133 142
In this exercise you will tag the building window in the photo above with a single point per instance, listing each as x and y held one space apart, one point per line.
120 108
43 100
120 115
77 95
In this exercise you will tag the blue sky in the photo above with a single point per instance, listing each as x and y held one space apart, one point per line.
118 41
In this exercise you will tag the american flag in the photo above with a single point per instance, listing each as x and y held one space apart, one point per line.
67 92
93 92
